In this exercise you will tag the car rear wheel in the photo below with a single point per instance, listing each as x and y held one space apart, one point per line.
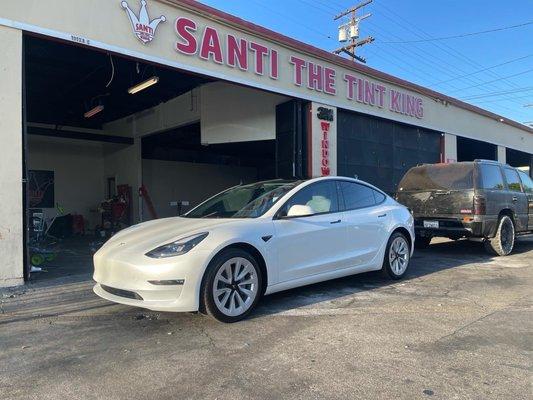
232 286
502 243
397 256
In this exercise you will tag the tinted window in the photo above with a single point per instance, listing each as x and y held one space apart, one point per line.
321 197
439 177
380 197
526 182
513 181
245 201
356 195
491 177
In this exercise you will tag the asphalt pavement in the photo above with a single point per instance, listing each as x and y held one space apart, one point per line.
460 326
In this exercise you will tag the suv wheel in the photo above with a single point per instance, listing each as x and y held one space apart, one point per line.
502 244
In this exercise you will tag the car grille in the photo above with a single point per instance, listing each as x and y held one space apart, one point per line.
122 293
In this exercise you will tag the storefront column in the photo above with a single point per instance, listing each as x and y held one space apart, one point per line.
502 154
450 148
11 211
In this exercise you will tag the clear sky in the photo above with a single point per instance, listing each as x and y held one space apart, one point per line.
449 66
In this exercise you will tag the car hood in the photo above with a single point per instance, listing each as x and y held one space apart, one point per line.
148 235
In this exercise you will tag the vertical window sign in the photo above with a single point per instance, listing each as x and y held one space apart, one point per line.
322 140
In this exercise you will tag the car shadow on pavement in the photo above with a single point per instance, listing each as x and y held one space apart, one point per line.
440 255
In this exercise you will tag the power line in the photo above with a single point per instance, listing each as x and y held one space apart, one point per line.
483 70
421 58
493 94
451 51
495 80
527 96
464 34
442 46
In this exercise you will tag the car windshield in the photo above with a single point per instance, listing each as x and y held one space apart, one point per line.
244 201
439 177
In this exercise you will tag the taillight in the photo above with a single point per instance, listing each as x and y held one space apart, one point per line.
480 205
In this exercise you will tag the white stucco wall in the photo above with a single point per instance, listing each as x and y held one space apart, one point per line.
178 181
105 25
78 166
11 223
182 110
231 113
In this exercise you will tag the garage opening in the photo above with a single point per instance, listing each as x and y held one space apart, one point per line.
112 141
470 150
521 160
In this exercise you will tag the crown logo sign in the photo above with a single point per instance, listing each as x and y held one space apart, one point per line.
143 28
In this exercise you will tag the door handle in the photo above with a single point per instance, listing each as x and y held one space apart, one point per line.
336 222
382 215
515 199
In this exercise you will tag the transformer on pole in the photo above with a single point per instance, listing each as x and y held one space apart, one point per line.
349 32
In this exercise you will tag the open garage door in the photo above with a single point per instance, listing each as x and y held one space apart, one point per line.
470 150
100 127
521 160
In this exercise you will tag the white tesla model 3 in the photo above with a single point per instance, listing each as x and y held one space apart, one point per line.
253 240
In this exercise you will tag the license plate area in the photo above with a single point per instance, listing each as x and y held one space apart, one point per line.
431 224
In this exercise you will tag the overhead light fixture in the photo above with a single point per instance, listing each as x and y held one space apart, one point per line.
143 85
93 111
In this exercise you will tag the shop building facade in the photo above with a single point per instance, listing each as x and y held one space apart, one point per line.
232 102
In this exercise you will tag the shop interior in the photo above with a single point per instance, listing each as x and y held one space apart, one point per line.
111 141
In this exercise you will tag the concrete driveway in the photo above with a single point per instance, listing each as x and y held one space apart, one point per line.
459 327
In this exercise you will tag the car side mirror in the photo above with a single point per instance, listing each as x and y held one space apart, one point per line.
299 210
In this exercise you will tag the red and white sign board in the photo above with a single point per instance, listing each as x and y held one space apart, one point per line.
322 140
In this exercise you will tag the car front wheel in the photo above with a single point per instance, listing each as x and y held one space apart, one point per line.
232 286
397 256
502 243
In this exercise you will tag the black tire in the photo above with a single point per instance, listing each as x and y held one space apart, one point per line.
422 242
207 298
388 268
502 243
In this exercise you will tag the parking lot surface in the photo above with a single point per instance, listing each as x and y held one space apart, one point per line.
458 327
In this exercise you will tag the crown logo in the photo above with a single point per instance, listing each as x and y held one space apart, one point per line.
142 27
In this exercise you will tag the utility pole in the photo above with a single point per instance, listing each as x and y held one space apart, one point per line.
350 30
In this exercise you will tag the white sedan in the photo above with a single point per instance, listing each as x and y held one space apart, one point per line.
254 240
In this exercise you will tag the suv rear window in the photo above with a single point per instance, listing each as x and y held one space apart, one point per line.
439 177
491 177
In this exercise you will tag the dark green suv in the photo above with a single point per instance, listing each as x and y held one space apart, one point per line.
483 200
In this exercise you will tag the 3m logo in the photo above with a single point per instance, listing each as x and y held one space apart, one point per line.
325 114
142 27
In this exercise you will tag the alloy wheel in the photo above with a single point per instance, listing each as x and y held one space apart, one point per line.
399 255
235 286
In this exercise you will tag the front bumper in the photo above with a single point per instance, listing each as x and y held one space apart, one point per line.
126 279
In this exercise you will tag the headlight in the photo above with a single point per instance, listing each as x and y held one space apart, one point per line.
180 246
